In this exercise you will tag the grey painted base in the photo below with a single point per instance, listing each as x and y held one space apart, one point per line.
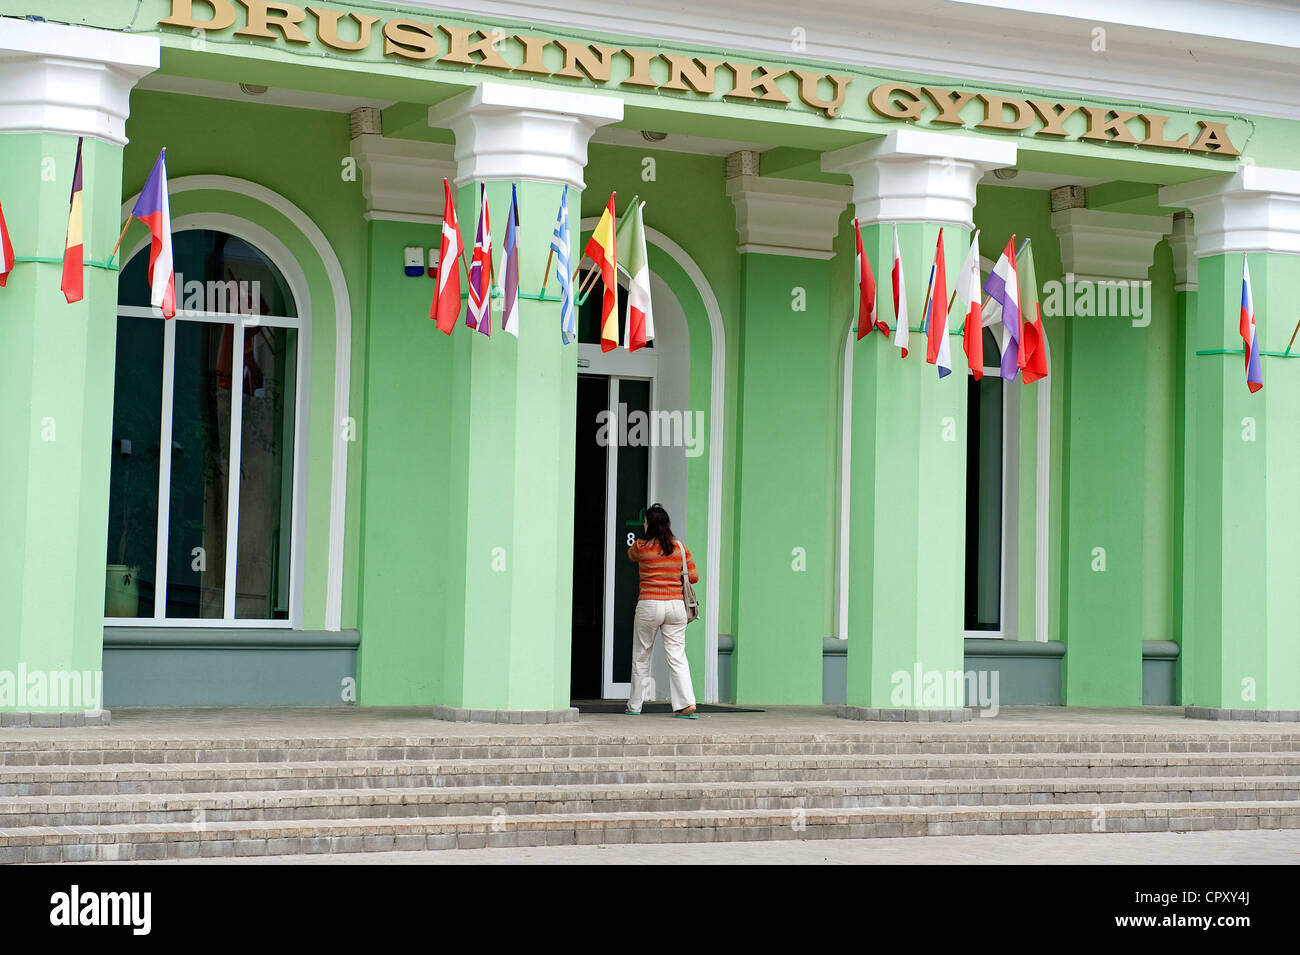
885 714
37 720
457 714
1258 716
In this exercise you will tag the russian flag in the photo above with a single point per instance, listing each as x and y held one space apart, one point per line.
1003 288
154 209
936 318
6 251
1249 334
900 299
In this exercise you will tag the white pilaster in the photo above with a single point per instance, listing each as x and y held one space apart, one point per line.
518 132
1255 209
1097 245
914 175
787 216
69 79
401 178
1182 241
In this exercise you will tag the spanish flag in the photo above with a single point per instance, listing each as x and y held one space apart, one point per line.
601 249
72 253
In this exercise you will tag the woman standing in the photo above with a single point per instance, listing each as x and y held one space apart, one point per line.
661 605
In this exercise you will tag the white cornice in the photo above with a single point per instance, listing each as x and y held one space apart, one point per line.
914 175
1108 245
517 132
1218 55
71 80
1255 209
1182 242
400 178
787 216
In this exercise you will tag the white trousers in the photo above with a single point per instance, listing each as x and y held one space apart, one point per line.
670 617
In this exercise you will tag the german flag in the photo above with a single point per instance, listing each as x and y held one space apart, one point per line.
602 249
73 257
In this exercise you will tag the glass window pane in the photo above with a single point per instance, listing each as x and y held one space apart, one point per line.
196 533
266 473
133 478
215 272
632 488
984 505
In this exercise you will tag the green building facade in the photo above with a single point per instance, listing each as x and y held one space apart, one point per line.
364 510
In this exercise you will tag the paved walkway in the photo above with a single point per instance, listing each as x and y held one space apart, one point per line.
1138 848
363 722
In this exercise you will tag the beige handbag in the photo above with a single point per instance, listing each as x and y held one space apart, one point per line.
688 592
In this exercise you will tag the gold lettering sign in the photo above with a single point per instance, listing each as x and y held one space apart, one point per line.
417 41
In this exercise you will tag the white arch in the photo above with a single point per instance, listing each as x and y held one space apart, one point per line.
713 564
342 356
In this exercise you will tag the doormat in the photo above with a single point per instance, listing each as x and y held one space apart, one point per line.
618 706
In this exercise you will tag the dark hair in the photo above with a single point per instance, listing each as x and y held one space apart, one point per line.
659 528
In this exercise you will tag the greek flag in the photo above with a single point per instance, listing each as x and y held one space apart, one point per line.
560 244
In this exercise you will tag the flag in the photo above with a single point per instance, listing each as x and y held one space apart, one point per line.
1249 333
968 294
478 315
73 257
1033 356
153 208
602 248
1004 293
510 310
900 299
936 319
631 240
6 251
564 271
867 319
446 303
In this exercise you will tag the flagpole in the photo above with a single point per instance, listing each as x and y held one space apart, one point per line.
546 272
120 239
1293 335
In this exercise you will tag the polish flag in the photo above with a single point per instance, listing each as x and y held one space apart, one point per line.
900 299
936 319
968 294
1249 333
446 303
154 210
6 251
867 320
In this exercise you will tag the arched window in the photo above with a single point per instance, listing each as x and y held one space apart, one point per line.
202 533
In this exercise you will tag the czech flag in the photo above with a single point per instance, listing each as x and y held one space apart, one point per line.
480 271
154 210
1249 333
968 293
936 319
602 248
6 251
867 320
73 257
1003 286
446 303
901 330
510 311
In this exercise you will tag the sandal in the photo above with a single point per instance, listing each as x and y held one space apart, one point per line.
683 715
631 712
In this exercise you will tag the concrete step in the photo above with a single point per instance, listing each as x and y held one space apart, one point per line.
298 775
91 750
426 802
180 841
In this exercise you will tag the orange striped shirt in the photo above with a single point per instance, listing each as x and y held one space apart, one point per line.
661 577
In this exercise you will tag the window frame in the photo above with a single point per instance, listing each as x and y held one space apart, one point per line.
295 278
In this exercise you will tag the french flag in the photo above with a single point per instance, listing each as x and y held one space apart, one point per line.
936 319
901 330
154 210
6 251
1003 288
1249 334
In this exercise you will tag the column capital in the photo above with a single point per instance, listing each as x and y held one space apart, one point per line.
1108 245
1255 209
914 175
787 216
1182 242
399 177
519 132
70 79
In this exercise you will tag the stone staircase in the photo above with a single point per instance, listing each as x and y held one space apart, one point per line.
89 799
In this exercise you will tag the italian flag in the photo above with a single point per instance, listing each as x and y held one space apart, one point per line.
635 265
6 251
